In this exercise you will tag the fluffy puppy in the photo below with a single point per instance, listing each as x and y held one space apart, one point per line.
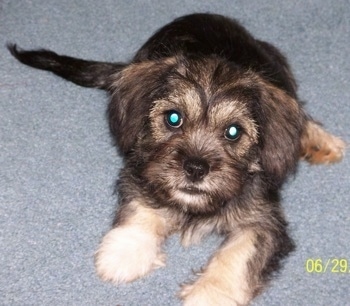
209 124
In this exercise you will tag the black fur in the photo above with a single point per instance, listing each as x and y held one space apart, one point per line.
208 34
80 72
220 61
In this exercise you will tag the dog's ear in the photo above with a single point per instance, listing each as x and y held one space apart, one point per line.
133 92
281 120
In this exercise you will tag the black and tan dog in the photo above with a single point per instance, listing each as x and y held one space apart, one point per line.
209 124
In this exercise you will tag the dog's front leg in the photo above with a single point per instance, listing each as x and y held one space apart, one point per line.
225 281
133 247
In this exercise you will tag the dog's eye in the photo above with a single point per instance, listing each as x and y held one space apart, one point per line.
233 132
173 118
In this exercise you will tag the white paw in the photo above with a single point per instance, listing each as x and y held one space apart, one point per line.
127 253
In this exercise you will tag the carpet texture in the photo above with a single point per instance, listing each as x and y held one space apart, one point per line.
58 166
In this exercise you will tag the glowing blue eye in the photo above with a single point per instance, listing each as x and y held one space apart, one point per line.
174 118
233 132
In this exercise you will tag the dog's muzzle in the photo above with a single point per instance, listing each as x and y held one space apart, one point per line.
196 169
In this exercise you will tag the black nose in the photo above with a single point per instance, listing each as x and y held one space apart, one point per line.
196 169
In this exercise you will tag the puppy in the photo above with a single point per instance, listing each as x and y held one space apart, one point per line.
209 124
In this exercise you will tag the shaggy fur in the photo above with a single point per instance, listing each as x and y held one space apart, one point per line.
209 124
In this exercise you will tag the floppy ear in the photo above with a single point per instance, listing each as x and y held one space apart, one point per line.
132 94
281 123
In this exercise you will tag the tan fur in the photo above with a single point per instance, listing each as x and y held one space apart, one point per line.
224 281
228 112
190 176
320 147
233 275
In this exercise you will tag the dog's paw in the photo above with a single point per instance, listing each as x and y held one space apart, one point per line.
127 253
205 293
321 147
327 151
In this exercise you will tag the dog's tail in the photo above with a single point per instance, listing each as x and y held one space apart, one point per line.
81 72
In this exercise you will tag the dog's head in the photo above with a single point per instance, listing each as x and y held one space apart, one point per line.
197 130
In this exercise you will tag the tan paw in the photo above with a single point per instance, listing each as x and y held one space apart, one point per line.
321 147
127 253
205 293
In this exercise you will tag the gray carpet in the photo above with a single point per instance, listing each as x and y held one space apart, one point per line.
58 166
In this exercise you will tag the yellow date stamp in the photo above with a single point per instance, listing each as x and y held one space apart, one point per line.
330 265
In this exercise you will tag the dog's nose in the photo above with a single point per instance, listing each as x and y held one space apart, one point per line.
196 169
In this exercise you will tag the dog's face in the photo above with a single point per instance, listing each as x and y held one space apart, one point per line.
200 129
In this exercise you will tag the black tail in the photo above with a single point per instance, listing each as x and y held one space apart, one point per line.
81 72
